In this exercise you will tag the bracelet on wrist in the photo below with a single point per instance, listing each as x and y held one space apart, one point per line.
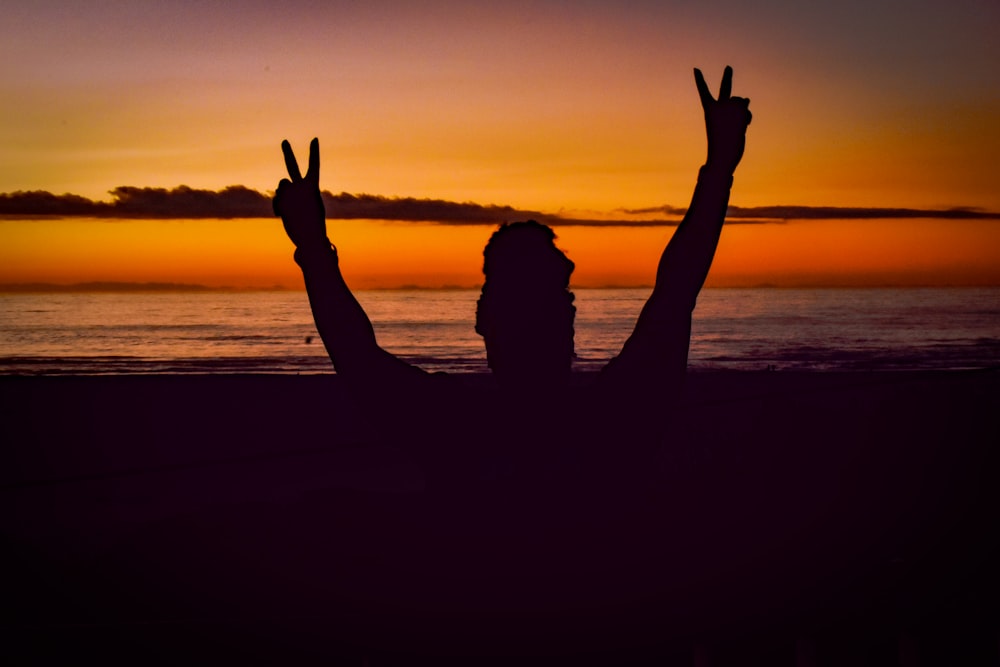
306 253
715 173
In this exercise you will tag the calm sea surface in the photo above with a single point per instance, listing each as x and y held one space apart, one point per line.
272 332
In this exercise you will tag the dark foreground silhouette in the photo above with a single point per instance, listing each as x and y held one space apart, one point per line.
182 519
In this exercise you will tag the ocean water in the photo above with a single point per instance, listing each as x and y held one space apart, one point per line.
272 331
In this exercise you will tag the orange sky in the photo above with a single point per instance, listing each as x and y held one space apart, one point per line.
539 105
255 253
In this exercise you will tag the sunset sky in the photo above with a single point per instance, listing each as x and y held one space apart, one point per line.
584 108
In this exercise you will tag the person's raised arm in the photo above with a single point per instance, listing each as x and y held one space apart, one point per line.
341 321
658 347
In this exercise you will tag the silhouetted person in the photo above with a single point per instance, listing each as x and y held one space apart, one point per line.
540 499
525 313
531 440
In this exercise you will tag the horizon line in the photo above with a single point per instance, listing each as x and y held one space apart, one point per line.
174 287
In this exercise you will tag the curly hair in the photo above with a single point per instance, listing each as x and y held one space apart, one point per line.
526 290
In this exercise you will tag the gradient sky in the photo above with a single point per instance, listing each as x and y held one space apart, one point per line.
538 105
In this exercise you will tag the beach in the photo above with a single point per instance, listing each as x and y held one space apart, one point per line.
197 514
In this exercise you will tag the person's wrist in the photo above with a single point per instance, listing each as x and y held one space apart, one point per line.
315 250
717 170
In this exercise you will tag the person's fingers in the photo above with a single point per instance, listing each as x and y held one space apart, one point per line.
726 89
282 184
703 91
290 163
312 173
745 103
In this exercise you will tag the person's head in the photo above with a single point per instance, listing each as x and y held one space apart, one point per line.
525 312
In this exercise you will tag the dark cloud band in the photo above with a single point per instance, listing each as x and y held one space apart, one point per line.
236 201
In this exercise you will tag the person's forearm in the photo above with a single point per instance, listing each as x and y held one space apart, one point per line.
688 257
342 323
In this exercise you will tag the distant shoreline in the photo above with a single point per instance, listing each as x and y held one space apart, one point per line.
166 287
113 286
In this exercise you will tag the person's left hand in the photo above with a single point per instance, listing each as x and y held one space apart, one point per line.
726 121
298 201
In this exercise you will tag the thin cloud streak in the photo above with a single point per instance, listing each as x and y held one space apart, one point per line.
237 201
789 213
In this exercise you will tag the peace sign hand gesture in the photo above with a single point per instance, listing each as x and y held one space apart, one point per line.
726 121
298 201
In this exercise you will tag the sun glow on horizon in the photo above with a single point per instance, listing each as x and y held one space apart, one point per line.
255 253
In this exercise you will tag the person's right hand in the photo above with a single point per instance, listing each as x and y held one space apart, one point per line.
726 121
298 201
